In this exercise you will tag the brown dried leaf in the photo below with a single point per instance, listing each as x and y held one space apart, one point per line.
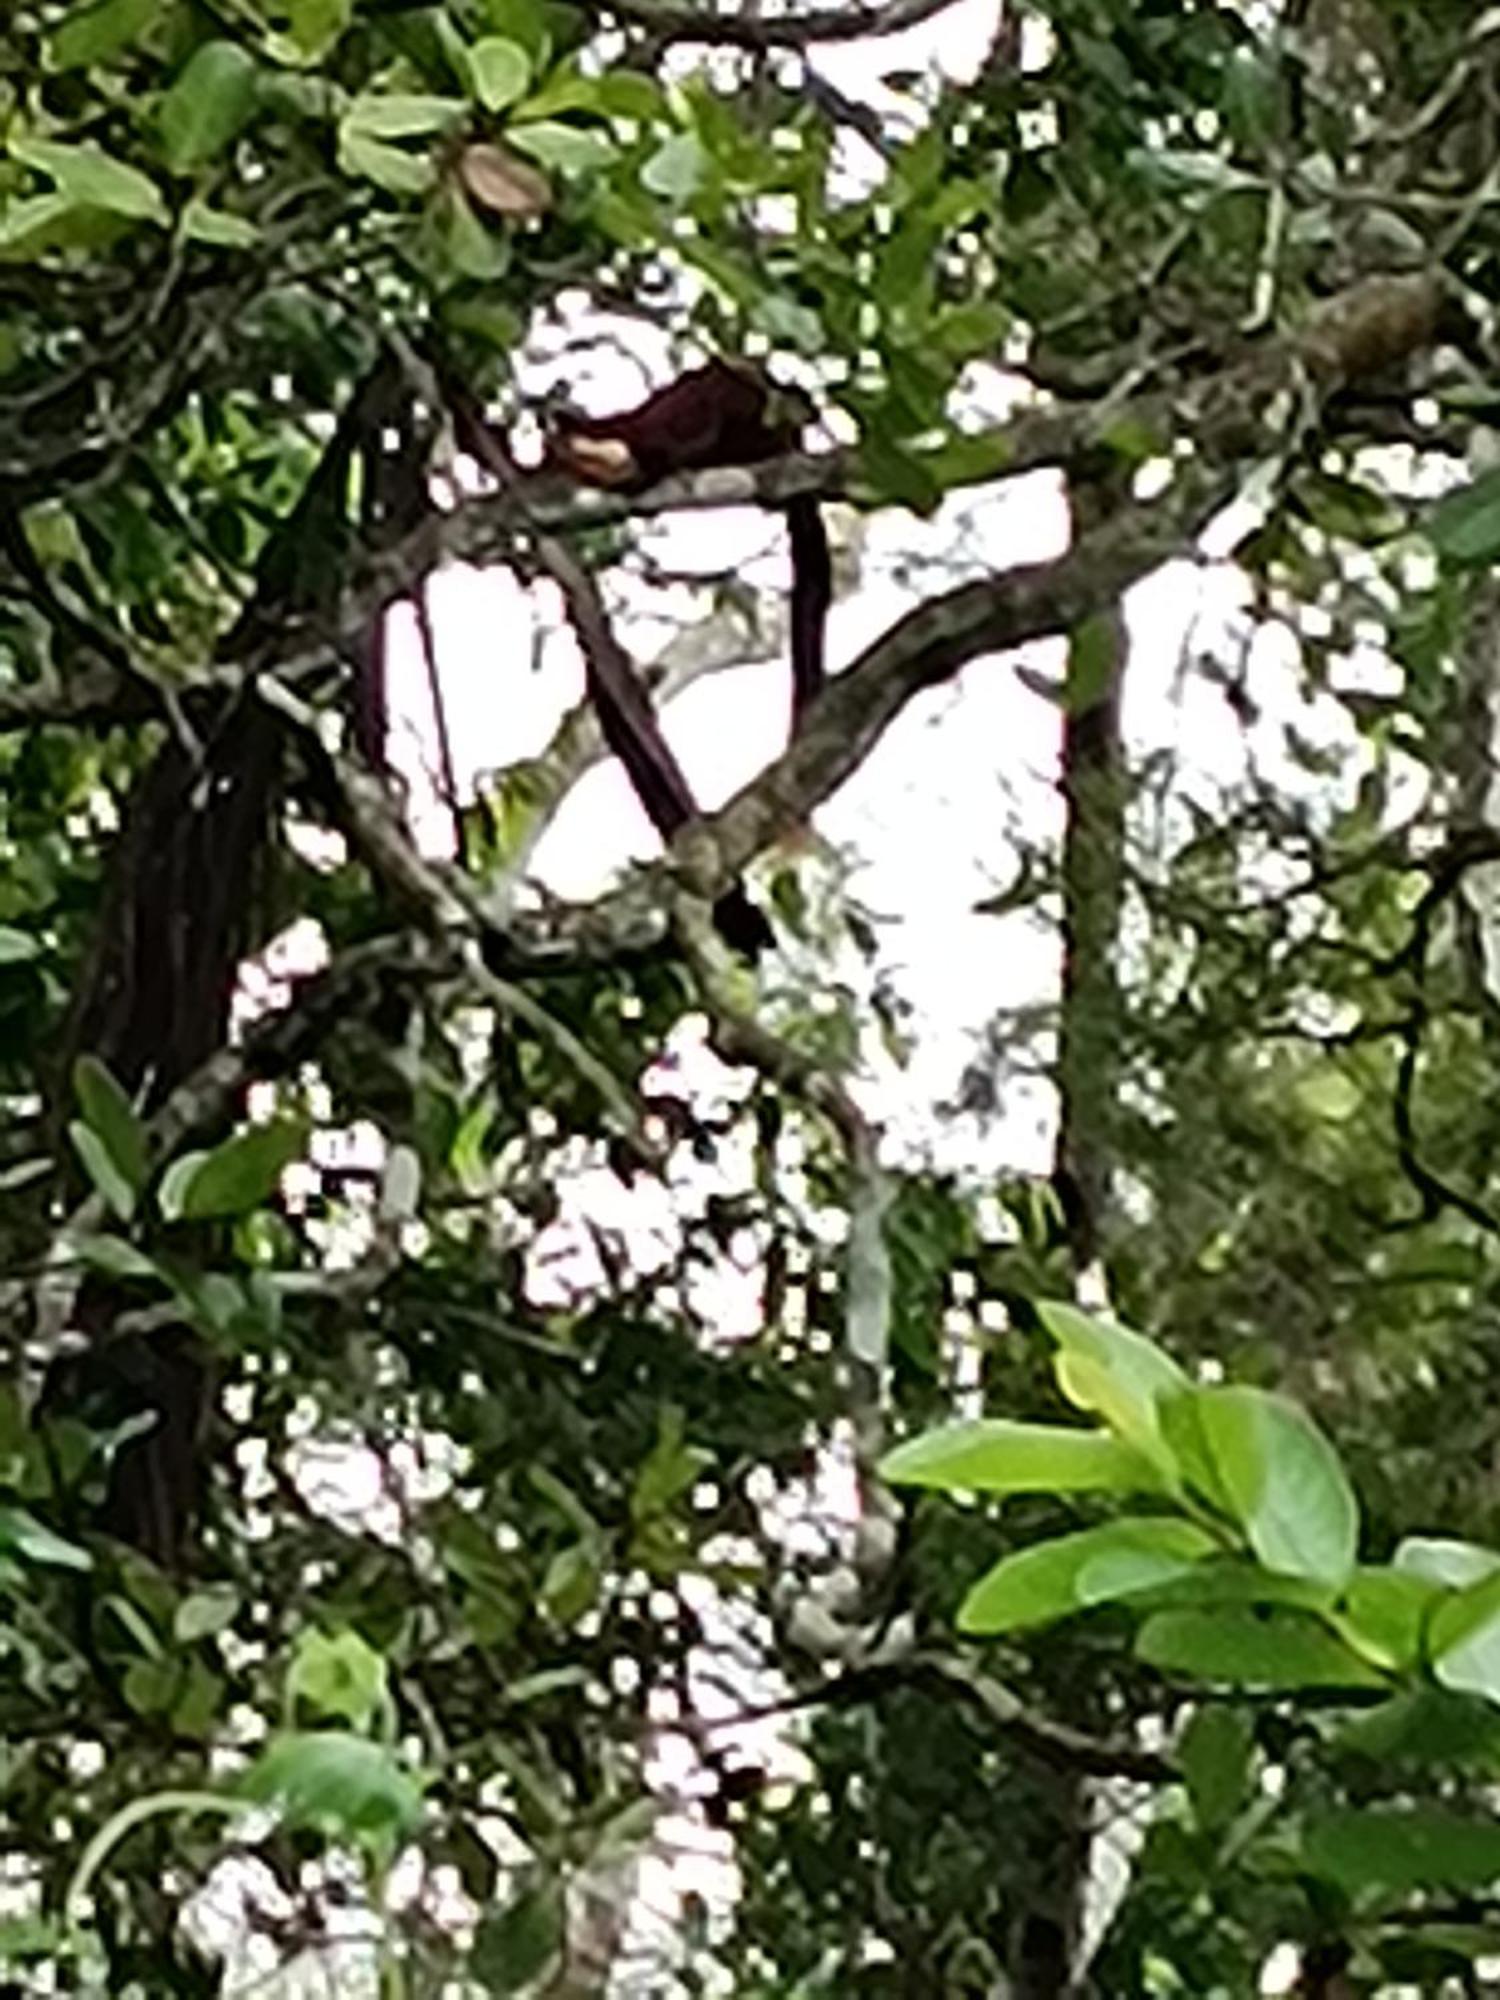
500 184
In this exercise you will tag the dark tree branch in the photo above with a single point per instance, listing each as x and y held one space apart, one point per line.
781 31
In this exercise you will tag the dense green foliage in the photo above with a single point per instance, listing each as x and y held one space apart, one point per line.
459 1688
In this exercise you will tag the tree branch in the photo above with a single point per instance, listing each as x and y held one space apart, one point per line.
750 30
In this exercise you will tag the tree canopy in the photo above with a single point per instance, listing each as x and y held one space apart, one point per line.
414 1575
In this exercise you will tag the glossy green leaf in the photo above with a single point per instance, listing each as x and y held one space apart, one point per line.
113 1256
1281 1480
335 1782
1385 1611
1427 1726
995 1455
208 105
1100 1565
1253 1649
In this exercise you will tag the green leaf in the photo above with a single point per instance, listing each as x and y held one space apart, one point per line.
91 177
515 1946
1463 1640
398 172
676 170
204 1613
1427 1726
100 1167
1401 1848
671 1469
1456 1564
1214 1756
336 1782
317 24
996 1456
95 34
378 116
234 1177
1384 1613
23 1535
1464 527
208 105
1245 1648
113 1256
1108 1371
18 947
217 227
109 1113
1281 1480
339 1675
571 1585
1073 1572
501 71
966 331
566 149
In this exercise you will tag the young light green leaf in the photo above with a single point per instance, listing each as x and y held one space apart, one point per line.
338 1675
100 1167
501 70
23 1535
389 167
90 177
208 105
1110 1372
336 1782
378 116
1402 1848
108 1112
172 1192
1456 1564
567 149
1463 1640
1101 1565
1254 1649
995 1455
217 227
1267 1463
